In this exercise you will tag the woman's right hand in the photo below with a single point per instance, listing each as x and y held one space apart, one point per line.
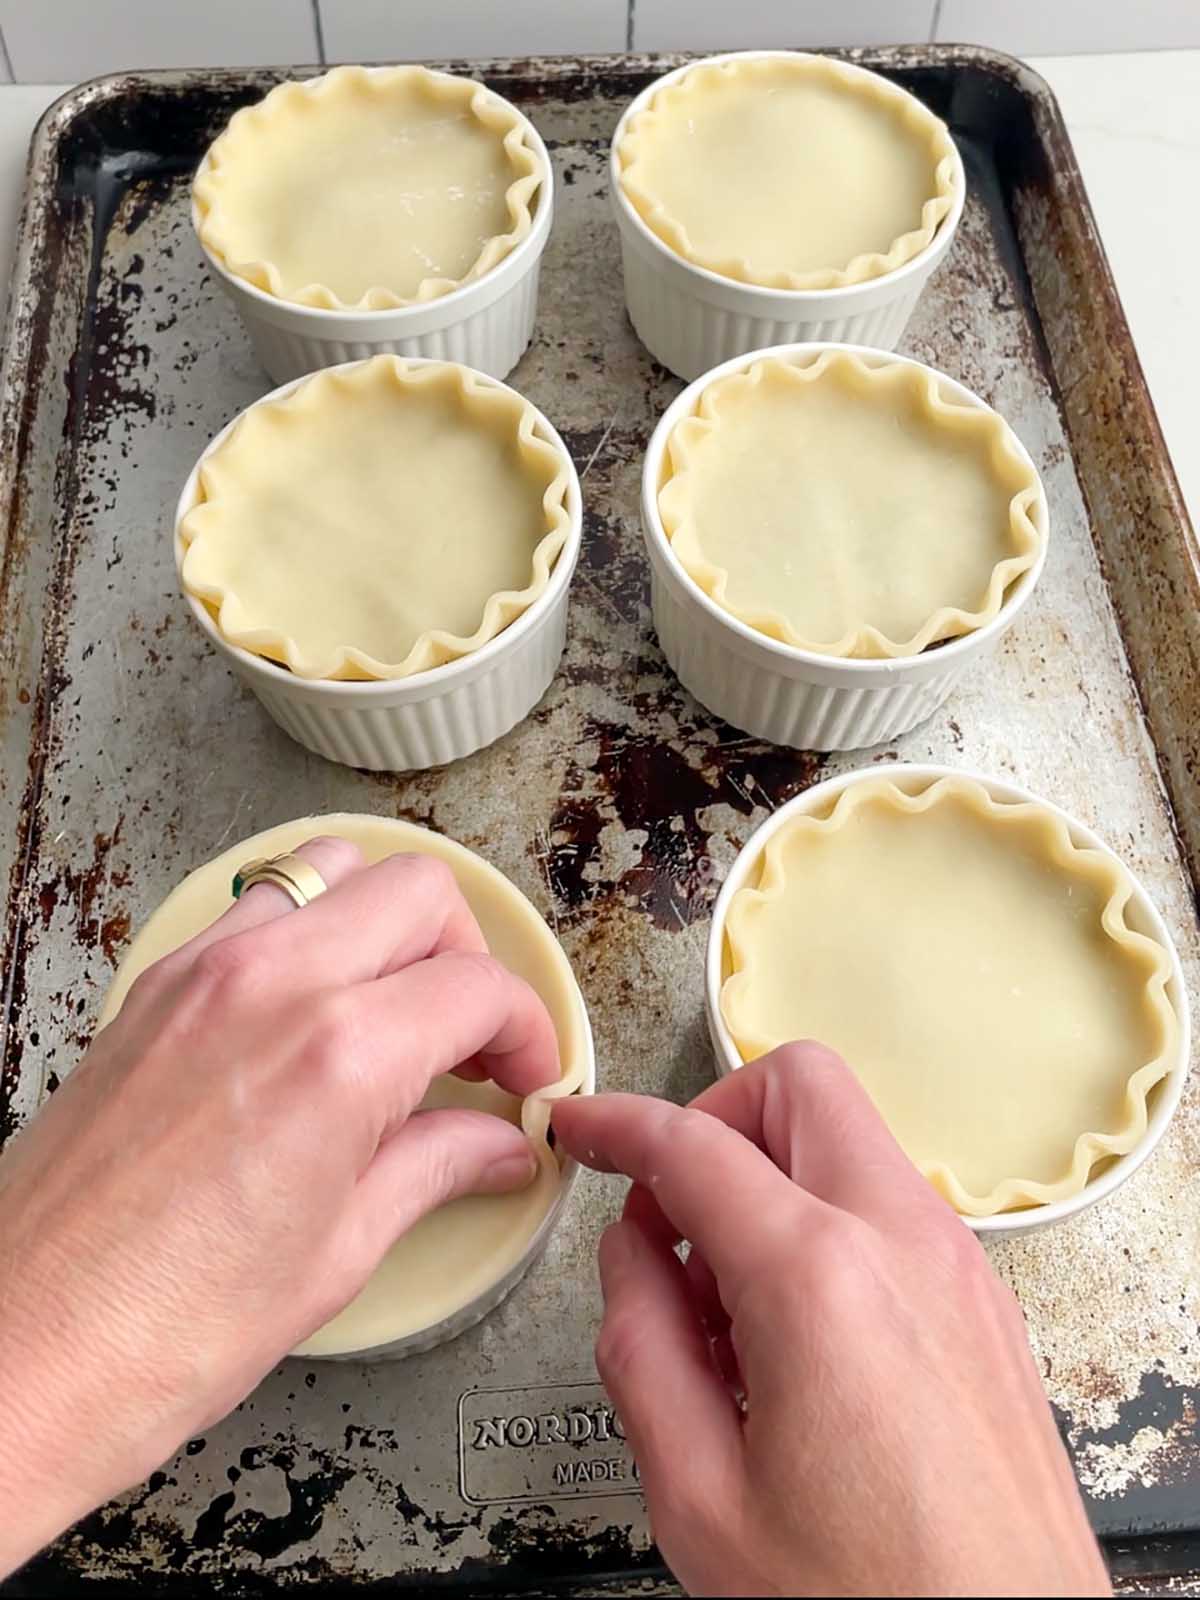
835 1395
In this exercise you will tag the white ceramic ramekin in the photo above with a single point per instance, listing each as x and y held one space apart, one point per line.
485 1303
690 318
775 690
430 718
486 324
1140 912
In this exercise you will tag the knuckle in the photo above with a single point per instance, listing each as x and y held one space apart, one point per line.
617 1348
840 1263
439 1175
152 983
690 1135
805 1059
336 854
229 966
687 1124
810 1094
685 1135
432 873
332 1036
794 1240
957 1250
477 969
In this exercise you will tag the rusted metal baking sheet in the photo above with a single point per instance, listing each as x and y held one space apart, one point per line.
130 754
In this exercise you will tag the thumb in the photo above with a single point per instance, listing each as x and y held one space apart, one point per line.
654 1358
434 1157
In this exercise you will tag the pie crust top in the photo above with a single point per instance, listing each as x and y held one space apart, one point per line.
977 970
460 1251
847 507
368 188
790 171
379 520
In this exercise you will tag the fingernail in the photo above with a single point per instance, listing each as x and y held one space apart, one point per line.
515 1171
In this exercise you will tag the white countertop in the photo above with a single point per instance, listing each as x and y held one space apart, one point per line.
1135 123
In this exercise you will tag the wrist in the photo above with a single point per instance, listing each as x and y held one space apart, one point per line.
39 1497
83 1413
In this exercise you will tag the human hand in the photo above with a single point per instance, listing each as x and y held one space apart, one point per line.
231 1160
894 1437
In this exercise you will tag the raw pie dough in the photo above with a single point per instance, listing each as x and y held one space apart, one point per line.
976 970
367 189
465 1248
789 171
849 509
380 520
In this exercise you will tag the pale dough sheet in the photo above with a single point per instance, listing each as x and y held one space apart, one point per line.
975 970
850 508
794 172
368 188
380 520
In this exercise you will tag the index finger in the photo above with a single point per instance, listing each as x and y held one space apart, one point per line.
402 1031
714 1186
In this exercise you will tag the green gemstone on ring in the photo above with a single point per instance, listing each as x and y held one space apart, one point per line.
239 883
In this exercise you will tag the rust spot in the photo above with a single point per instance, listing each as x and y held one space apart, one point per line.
48 900
87 888
114 934
658 788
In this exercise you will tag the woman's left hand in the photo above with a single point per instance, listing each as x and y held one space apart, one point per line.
231 1160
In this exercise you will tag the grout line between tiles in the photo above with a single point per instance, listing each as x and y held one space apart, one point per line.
6 59
629 25
319 27
935 21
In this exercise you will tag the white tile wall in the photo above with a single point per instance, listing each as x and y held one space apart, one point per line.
407 30
750 24
56 41
1071 27
60 41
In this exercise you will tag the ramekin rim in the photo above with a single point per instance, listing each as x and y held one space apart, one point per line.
432 678
795 299
948 650
333 317
1169 1089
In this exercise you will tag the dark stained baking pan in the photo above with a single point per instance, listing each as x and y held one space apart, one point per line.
130 755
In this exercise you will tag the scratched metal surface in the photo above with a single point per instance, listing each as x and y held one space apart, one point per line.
130 755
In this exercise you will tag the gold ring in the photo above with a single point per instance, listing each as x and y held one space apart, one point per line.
298 878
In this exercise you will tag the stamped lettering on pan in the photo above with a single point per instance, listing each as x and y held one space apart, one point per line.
547 1441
